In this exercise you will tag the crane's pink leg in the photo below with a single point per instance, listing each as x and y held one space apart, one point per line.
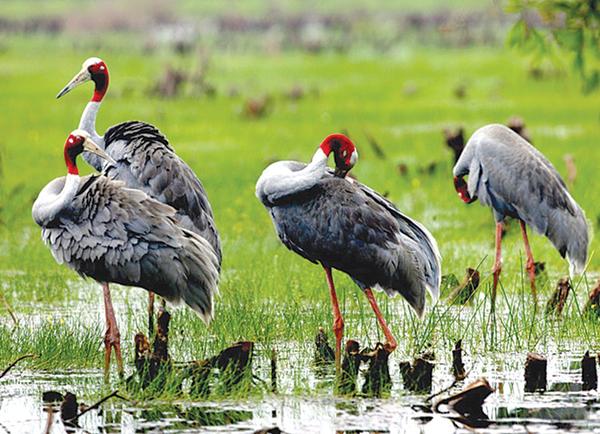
391 343
497 263
112 338
150 314
338 321
530 262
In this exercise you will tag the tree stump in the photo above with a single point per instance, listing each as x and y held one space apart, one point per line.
592 306
458 368
517 124
324 353
469 401
377 377
535 373
557 302
350 365
465 290
455 140
418 376
69 407
589 375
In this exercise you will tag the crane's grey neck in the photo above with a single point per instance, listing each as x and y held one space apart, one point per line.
284 178
53 199
88 122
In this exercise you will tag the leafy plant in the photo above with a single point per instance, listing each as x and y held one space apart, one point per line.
550 28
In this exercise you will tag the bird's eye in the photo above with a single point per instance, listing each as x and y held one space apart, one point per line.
71 140
101 68
345 154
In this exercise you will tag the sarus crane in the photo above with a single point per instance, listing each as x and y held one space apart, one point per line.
330 219
506 173
114 234
144 159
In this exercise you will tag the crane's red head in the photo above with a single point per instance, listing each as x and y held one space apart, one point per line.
77 142
343 150
93 69
463 190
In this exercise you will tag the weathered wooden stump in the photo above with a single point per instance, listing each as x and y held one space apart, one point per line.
455 140
234 363
592 305
273 370
324 353
517 124
557 302
589 374
418 376
169 84
377 377
458 368
200 372
465 290
535 373
149 363
350 366
69 407
256 108
469 401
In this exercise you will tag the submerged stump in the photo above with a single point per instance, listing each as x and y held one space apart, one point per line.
469 403
150 363
323 352
418 376
350 365
458 367
233 364
592 306
377 377
69 407
557 302
535 373
589 374
462 293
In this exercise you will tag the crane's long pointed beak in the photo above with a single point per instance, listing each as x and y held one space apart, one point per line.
92 147
80 78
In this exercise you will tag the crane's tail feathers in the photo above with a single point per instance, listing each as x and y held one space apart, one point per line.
433 260
570 234
576 267
202 265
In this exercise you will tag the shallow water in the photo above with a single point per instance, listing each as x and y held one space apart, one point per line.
563 406
305 402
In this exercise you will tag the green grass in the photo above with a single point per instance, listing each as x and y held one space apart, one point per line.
269 294
22 9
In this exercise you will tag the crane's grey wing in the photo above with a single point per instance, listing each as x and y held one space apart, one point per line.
121 235
339 225
146 161
429 252
515 179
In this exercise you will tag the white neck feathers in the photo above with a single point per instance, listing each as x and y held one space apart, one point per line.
51 202
280 180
